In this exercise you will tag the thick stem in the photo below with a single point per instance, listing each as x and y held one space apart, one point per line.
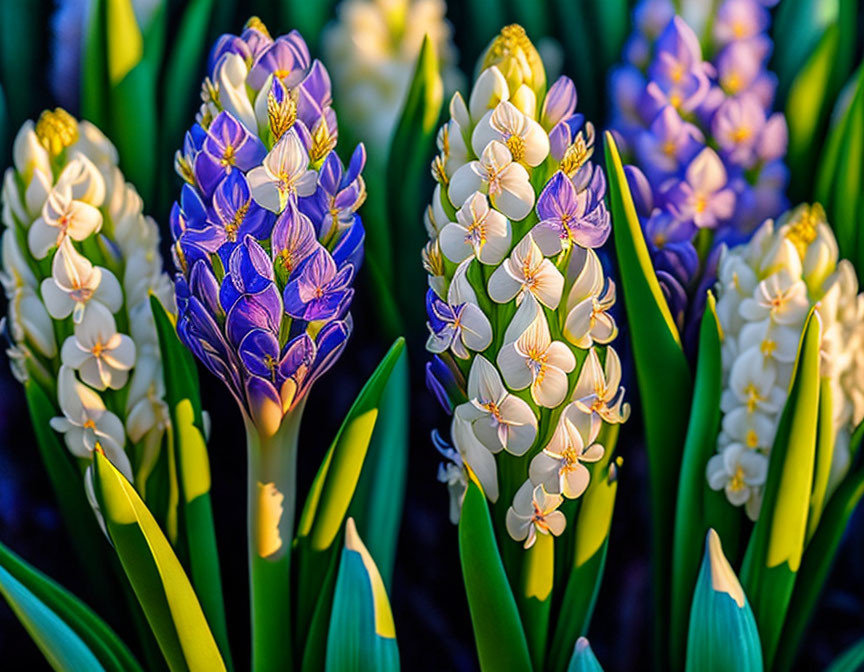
272 499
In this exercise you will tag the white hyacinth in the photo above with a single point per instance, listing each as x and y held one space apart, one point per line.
765 290
518 301
371 50
80 261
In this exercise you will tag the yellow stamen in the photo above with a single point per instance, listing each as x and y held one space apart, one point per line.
752 439
737 483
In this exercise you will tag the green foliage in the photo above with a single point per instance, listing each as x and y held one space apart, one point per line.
698 508
161 585
662 374
840 173
68 632
193 466
345 467
500 638
774 553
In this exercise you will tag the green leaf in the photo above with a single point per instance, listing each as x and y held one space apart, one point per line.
67 482
63 649
839 176
22 40
307 17
693 515
161 585
407 187
498 633
94 68
182 70
362 634
816 565
193 467
591 541
535 595
34 587
826 438
583 659
774 553
723 634
377 503
662 374
808 106
334 486
851 660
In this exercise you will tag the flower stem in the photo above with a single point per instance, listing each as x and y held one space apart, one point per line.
271 504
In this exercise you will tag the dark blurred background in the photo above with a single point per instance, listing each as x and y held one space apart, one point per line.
427 595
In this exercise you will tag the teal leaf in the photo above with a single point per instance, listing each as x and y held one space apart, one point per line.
43 604
362 636
583 659
723 635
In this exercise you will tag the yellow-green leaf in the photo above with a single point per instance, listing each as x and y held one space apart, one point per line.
161 585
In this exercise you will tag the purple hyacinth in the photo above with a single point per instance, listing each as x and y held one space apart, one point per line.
266 234
705 150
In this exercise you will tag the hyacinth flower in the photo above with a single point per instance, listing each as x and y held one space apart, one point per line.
521 336
88 302
705 151
765 292
79 262
267 244
774 427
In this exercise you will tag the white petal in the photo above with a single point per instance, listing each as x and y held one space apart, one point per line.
231 78
57 302
512 365
465 181
556 522
489 89
575 481
516 198
502 286
453 243
264 189
552 389
41 237
476 330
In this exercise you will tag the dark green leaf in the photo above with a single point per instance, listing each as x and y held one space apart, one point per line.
692 517
498 633
377 502
662 374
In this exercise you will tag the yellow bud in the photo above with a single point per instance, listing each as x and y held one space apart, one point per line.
257 24
517 59
56 130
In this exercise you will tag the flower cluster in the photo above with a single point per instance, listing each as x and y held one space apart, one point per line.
371 50
266 234
518 303
79 263
765 291
707 153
